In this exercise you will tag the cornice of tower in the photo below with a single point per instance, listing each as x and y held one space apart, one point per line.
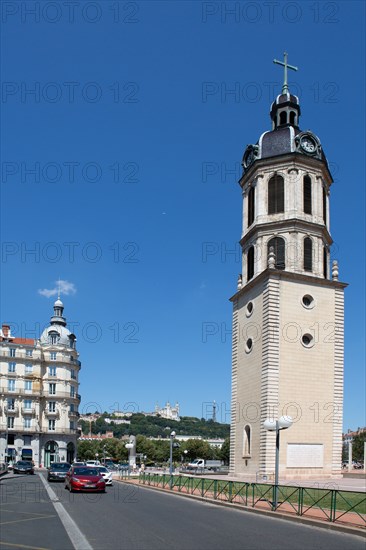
280 275
289 161
291 224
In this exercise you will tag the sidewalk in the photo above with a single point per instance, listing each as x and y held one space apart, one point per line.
344 520
355 483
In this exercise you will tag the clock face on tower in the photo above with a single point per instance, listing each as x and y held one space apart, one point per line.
308 143
249 156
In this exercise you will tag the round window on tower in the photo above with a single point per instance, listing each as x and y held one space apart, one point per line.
308 301
249 345
307 340
249 309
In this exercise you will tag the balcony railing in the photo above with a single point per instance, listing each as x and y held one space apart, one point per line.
13 411
20 355
75 362
21 428
37 429
74 414
63 394
31 429
61 431
20 391
52 414
39 393
29 410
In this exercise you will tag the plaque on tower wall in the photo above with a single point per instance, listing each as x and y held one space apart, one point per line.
300 455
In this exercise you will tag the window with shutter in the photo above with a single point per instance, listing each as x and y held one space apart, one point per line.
278 245
308 254
247 441
250 263
325 263
324 206
276 195
307 194
251 205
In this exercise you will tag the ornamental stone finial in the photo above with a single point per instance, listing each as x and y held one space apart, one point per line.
335 271
240 281
271 258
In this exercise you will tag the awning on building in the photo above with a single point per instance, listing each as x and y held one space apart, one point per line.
27 453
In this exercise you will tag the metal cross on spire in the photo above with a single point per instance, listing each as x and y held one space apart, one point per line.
286 66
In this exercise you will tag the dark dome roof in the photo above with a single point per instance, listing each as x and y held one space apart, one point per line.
285 98
277 142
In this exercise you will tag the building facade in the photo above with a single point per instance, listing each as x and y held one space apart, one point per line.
288 311
39 391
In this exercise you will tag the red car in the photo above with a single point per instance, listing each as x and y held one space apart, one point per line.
84 478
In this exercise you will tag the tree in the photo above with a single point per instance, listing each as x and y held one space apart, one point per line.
225 451
197 448
146 447
358 447
87 450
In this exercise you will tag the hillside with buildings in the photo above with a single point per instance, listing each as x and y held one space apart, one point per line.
151 426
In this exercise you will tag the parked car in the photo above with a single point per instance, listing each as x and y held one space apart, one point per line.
110 465
84 478
79 464
107 474
23 467
58 471
92 463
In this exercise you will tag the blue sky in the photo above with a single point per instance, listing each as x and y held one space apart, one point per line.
135 139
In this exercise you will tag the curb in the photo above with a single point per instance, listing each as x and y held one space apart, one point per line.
359 532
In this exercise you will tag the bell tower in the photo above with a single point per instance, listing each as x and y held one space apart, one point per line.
288 317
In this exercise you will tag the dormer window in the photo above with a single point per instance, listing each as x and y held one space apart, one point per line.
72 341
53 337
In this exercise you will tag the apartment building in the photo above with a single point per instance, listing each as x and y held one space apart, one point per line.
39 399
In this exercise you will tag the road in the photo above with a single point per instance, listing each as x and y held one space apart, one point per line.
127 517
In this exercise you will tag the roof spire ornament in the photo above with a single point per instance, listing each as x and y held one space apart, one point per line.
286 66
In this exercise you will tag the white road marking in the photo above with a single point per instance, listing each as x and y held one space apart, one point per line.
77 538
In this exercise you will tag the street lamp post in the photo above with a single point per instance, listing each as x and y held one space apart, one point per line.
276 426
131 446
185 452
172 436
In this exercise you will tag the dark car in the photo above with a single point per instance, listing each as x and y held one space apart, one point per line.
58 471
23 467
85 478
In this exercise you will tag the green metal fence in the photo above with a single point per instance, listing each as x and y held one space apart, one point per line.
331 505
